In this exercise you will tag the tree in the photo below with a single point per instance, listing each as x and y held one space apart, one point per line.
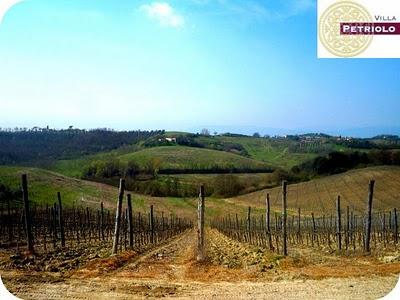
256 135
205 132
227 185
132 169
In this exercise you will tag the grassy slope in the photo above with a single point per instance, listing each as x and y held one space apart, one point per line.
316 196
319 195
74 167
179 157
263 152
273 152
43 186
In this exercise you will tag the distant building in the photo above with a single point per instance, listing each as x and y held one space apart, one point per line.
168 139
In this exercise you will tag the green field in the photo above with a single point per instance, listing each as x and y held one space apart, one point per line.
180 157
168 157
43 186
275 153
257 153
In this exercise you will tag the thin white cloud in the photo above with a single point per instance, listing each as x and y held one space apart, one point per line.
257 10
163 13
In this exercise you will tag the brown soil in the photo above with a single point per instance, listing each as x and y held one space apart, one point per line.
232 270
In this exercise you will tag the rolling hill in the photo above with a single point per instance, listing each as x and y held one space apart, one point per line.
43 186
276 152
180 157
316 196
319 195
168 157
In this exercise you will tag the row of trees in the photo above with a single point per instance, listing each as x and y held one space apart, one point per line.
115 168
337 162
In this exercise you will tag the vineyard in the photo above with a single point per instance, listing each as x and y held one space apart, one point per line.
319 196
344 230
43 229
120 250
318 232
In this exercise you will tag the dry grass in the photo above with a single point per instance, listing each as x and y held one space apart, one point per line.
319 195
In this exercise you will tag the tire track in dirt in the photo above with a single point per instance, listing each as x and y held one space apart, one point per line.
170 271
168 262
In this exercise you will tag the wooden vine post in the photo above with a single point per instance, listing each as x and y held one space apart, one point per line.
118 215
151 224
60 220
298 225
284 217
339 224
268 221
267 214
368 223
28 226
395 226
248 223
130 224
347 226
102 220
200 226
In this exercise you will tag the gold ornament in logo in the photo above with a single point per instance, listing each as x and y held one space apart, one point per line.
329 29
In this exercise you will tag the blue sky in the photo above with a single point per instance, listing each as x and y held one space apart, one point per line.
222 64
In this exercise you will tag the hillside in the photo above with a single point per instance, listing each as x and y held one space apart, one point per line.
278 152
43 186
319 195
165 157
197 152
180 158
316 196
41 145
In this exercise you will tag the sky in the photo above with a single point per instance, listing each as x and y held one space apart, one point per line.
226 65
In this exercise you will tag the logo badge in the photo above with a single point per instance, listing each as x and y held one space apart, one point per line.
350 29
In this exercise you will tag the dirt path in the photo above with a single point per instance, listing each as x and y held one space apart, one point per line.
171 271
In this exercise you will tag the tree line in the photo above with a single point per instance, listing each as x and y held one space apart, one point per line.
338 162
194 140
37 144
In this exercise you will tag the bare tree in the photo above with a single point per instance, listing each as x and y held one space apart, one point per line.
205 131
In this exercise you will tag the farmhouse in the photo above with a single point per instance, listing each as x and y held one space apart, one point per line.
168 139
